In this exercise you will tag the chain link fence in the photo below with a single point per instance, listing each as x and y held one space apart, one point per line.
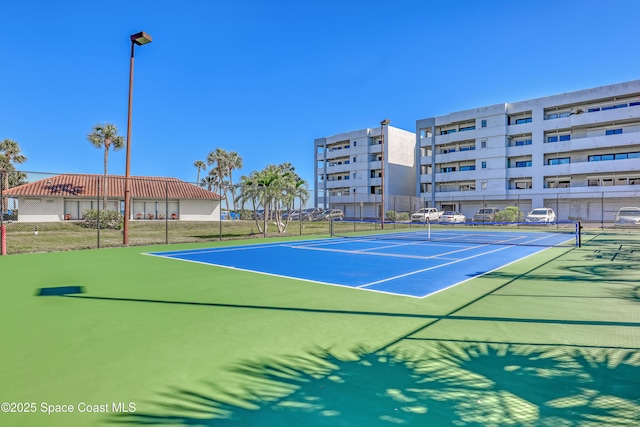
52 212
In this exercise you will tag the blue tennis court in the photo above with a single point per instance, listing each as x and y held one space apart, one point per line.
392 264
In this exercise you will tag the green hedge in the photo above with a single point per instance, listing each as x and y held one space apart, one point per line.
107 219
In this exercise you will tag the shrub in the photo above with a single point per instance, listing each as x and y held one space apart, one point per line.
107 219
509 214
391 215
245 214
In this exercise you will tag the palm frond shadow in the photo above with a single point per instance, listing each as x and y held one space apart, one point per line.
596 273
417 383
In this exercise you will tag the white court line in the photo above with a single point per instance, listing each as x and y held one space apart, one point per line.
432 268
230 267
226 249
367 251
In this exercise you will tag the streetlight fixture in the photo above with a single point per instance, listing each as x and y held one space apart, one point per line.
383 123
139 39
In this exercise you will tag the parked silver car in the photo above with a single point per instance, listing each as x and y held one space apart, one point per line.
485 215
628 216
329 214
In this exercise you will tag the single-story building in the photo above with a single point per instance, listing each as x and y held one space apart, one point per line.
67 196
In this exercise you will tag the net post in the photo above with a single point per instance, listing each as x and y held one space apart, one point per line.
429 229
578 234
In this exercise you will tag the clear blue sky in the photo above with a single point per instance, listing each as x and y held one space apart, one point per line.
265 78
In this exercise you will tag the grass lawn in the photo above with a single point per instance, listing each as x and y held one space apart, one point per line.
70 235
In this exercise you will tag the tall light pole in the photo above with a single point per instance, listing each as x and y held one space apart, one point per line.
136 39
382 125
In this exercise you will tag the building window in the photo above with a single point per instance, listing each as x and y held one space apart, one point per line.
556 138
559 161
448 169
521 142
483 144
483 185
613 131
355 143
354 159
425 133
468 168
551 116
522 185
523 164
483 123
613 107
559 183
617 156
525 120
484 165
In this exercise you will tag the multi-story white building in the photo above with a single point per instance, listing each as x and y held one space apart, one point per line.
349 171
578 153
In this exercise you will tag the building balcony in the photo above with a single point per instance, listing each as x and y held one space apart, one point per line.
455 176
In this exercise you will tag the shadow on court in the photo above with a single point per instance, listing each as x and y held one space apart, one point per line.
63 292
434 383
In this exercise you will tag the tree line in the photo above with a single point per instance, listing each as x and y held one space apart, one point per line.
273 189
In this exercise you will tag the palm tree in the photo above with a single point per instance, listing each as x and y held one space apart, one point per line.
200 165
105 135
234 161
290 186
209 182
218 159
250 192
272 188
10 154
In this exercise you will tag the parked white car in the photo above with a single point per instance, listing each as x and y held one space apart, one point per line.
425 214
452 217
628 216
541 216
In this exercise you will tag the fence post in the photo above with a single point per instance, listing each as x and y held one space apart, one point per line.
98 213
3 229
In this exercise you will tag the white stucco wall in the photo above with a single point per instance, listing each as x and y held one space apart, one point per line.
199 210
40 209
51 209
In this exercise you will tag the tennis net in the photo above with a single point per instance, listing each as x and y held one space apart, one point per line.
561 234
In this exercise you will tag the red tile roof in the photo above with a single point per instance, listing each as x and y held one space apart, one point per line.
84 185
